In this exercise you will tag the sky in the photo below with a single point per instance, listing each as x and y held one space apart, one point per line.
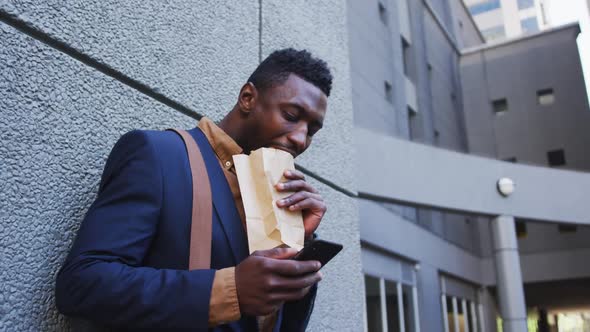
567 11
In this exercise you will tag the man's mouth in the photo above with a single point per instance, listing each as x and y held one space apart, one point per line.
288 150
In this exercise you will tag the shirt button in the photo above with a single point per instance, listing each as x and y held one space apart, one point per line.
227 163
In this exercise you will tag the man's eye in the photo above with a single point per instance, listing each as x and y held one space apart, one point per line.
290 116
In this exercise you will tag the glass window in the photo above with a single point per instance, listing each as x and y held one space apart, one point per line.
393 321
484 6
500 106
545 97
450 314
520 227
412 135
556 158
406 56
460 314
567 228
407 300
525 4
388 91
494 33
373 298
383 300
529 25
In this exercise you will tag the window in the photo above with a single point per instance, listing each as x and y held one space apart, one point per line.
388 91
545 97
411 123
460 309
529 25
556 158
564 228
393 318
373 301
494 33
500 106
460 314
525 4
520 227
484 6
390 305
406 56
382 13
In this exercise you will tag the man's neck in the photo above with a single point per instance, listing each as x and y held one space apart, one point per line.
229 125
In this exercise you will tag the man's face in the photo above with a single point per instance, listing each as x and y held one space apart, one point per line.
287 116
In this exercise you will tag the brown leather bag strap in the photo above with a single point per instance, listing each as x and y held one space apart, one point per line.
202 211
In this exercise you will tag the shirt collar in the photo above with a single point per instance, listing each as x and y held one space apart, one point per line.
223 145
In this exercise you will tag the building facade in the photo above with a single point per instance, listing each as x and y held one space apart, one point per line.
421 118
421 71
501 19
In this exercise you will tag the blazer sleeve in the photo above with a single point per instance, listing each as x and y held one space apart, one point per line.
103 279
296 314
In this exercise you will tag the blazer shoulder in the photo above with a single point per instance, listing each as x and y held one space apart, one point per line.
162 143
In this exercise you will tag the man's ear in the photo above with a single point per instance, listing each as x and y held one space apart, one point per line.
248 98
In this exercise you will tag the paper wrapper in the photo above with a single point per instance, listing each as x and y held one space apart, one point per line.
268 226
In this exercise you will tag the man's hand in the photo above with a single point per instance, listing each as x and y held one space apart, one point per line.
268 278
306 199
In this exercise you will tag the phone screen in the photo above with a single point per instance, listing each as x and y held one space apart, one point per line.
319 250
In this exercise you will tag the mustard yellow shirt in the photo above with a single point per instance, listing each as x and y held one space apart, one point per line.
223 305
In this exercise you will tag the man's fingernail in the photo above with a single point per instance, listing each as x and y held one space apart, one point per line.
280 186
288 173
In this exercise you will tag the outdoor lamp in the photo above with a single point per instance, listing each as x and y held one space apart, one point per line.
505 186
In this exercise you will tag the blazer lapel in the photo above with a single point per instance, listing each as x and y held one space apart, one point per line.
223 201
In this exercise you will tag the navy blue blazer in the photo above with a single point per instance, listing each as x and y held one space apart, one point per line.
128 265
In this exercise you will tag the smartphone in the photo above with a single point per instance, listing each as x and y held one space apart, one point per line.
318 250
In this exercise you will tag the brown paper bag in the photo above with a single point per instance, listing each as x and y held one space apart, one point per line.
268 226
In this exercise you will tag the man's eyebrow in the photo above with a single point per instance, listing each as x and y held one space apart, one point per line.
297 106
301 109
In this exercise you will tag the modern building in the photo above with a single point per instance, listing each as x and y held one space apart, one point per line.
500 19
530 93
421 121
421 71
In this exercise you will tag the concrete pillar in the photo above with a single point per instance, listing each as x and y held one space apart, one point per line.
508 275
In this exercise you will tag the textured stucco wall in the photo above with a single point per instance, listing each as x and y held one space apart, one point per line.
59 119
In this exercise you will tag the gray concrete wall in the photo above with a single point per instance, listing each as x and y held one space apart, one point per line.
376 57
545 266
390 232
433 254
61 116
467 183
516 71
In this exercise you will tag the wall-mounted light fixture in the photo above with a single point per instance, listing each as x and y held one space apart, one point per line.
505 186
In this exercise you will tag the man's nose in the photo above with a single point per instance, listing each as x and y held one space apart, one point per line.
299 139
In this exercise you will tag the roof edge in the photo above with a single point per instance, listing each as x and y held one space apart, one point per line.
484 47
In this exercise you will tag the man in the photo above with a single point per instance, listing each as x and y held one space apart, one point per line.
128 265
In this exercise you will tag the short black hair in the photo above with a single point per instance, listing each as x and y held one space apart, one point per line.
275 69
